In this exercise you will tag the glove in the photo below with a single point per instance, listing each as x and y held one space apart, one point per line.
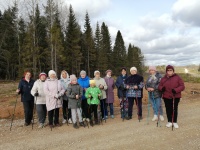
173 91
36 94
163 89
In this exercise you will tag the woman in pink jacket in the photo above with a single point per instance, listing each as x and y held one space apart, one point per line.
54 92
171 86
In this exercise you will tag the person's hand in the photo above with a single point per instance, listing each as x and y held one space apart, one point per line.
173 91
77 96
36 94
18 91
89 96
127 86
150 89
101 86
135 87
56 96
163 89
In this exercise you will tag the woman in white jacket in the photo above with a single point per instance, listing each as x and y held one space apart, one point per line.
38 92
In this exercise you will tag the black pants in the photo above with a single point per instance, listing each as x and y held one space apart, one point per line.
28 111
53 114
41 112
169 109
131 103
84 106
93 108
103 107
66 110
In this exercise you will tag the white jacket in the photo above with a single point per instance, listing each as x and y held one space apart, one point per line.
38 87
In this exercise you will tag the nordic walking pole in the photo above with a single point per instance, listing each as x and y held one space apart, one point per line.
123 108
136 97
173 113
34 111
104 110
148 107
155 106
13 113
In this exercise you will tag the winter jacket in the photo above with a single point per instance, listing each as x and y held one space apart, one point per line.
174 82
101 81
121 89
25 90
72 91
153 82
84 83
38 87
51 88
135 80
93 92
65 83
110 87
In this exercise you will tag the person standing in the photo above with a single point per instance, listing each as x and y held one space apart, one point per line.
38 92
24 88
84 82
64 79
101 84
171 86
121 89
134 85
54 92
154 94
109 93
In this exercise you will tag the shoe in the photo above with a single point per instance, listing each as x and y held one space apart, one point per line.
129 117
70 121
84 119
82 124
87 119
96 122
57 125
155 117
140 118
161 118
75 126
169 124
51 126
64 121
26 124
41 125
175 125
112 116
106 117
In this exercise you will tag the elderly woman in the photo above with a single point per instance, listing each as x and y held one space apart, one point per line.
154 94
54 92
109 93
134 85
24 88
171 86
40 101
101 84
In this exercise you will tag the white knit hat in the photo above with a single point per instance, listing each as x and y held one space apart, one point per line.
72 77
83 72
97 71
133 68
51 72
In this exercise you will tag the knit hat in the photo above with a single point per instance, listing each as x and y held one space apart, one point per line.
97 71
152 68
51 72
42 74
92 81
108 71
72 77
133 68
169 67
82 72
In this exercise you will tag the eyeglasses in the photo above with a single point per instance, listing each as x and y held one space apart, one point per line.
170 70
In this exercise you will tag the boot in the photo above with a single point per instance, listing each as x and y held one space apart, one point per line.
75 126
82 124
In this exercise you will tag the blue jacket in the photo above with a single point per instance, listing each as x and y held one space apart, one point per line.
121 89
25 90
84 83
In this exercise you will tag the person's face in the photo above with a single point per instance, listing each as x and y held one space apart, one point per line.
43 77
133 72
64 75
52 76
92 85
152 72
83 75
74 81
170 72
109 73
123 72
28 75
97 75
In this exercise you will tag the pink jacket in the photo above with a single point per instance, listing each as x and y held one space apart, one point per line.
51 88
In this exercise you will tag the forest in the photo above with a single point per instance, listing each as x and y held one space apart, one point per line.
41 42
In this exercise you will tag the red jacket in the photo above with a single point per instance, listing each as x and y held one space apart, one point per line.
174 82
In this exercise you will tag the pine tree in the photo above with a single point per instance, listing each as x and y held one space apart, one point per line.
97 41
130 56
138 59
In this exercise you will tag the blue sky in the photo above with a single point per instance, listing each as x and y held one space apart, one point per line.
167 31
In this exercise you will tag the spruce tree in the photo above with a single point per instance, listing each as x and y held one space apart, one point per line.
97 41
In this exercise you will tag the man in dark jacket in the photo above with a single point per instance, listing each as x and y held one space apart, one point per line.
171 86
24 88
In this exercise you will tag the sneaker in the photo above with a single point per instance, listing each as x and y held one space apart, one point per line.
112 116
175 125
70 121
169 124
84 119
155 117
75 126
161 118
87 119
64 121
41 125
106 117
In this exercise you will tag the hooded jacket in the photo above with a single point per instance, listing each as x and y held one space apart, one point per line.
84 83
65 83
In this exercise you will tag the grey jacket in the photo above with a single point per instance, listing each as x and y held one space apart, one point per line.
153 82
72 91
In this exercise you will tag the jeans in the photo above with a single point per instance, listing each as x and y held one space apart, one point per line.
138 102
41 112
111 109
66 110
28 111
156 105
53 114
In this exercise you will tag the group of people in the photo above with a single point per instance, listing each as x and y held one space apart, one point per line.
86 101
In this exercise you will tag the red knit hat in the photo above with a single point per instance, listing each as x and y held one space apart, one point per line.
169 67
42 74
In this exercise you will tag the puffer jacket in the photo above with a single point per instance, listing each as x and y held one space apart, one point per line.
38 87
84 83
101 81
94 92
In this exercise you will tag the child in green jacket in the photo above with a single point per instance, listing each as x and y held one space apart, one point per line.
93 95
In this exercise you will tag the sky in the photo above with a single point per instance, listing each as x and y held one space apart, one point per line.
167 31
